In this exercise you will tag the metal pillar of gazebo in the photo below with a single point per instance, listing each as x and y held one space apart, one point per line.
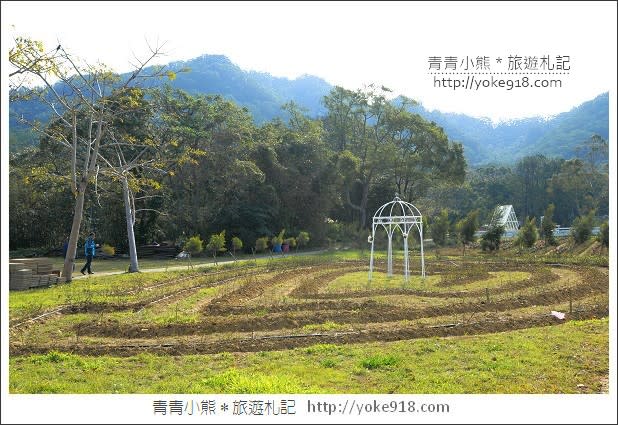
394 215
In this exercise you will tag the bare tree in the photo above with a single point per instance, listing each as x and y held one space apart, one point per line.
80 98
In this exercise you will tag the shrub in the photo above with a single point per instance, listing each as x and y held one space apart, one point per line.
439 228
278 240
582 228
261 244
216 243
466 228
548 225
490 241
108 249
236 244
528 234
302 239
604 235
194 245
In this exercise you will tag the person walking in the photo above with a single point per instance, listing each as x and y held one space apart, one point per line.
89 250
65 248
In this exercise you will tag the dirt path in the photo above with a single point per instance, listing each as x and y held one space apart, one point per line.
197 267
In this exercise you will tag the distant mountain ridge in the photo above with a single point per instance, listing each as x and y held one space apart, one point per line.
507 142
263 95
260 92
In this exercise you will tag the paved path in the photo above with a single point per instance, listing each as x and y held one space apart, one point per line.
77 275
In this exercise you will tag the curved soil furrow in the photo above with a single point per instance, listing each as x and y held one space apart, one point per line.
366 312
310 285
255 288
285 343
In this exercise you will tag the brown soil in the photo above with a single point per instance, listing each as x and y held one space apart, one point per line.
236 311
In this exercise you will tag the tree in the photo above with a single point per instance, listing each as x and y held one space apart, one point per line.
215 185
302 239
130 152
439 228
466 229
581 230
532 173
379 141
194 245
236 244
594 150
576 189
36 180
423 156
81 106
261 244
548 225
356 125
528 235
604 234
216 244
490 241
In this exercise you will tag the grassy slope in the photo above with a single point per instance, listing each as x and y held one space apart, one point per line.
540 360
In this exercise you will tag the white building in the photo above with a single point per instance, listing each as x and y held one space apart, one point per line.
504 215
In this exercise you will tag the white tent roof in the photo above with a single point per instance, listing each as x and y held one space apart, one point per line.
504 215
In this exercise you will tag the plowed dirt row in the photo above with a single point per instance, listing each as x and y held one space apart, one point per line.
239 310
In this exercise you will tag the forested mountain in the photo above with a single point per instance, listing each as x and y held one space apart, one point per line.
508 142
192 161
263 95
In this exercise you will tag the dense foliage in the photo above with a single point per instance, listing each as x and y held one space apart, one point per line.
263 94
321 178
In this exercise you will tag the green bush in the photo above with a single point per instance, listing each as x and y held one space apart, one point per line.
603 236
108 249
548 225
194 245
261 244
490 241
236 244
216 243
302 239
528 234
439 228
581 230
466 228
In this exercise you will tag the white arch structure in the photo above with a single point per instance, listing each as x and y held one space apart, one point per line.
394 215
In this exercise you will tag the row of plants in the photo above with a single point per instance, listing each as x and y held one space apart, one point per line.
217 243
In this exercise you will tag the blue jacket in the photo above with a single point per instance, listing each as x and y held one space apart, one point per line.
89 247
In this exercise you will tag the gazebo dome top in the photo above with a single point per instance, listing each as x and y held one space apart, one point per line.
397 208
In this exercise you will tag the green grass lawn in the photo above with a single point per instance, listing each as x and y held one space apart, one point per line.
569 358
359 281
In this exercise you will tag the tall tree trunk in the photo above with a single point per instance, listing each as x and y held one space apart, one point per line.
80 192
363 205
78 211
134 267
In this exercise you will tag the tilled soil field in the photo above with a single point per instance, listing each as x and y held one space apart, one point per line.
276 308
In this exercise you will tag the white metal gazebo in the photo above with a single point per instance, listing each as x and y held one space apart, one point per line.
394 215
